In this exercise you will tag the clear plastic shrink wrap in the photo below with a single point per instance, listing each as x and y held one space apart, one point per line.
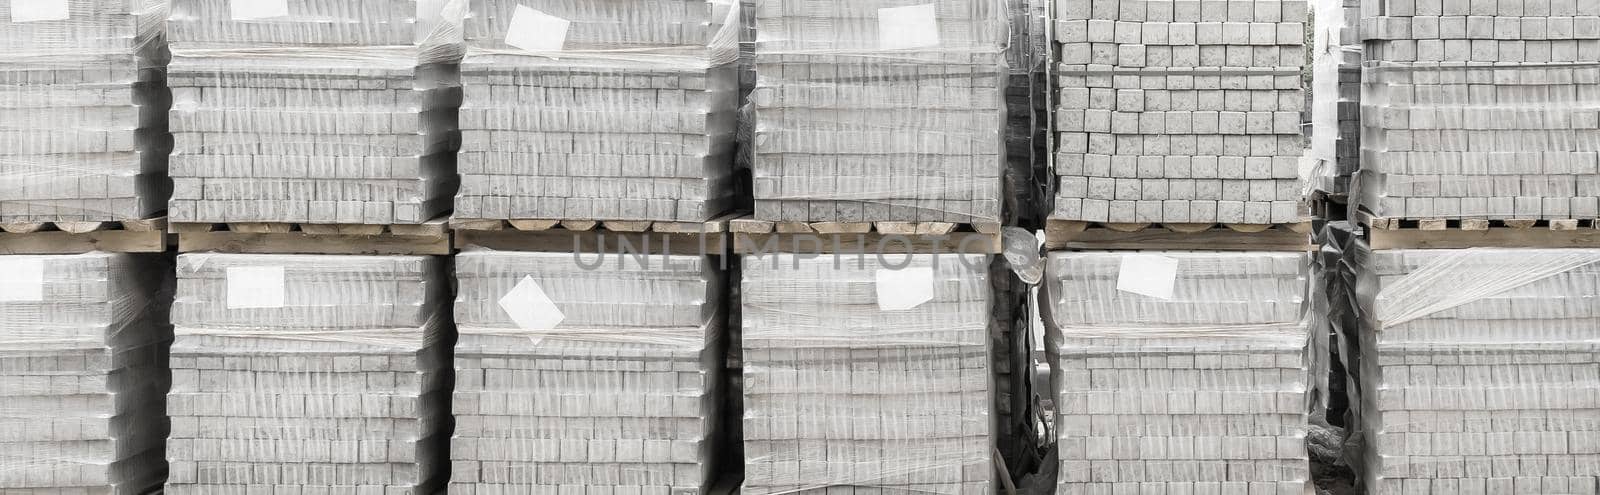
1470 110
1480 370
600 372
309 374
617 110
1184 371
80 92
860 375
313 111
1180 111
83 373
880 110
1336 94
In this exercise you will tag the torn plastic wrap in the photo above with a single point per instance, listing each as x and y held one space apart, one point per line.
1475 113
1336 94
623 110
862 375
84 367
1479 371
81 88
1180 113
587 370
1182 369
313 111
880 110
310 373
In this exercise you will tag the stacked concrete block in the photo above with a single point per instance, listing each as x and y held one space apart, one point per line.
1480 109
1480 371
1179 111
1336 94
1180 371
309 374
580 373
83 373
630 114
81 81
867 375
881 110
319 111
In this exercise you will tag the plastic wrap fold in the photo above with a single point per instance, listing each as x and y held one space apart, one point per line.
1479 371
81 92
310 373
850 381
623 110
1336 94
322 111
1473 112
1180 112
1182 369
880 110
600 371
83 362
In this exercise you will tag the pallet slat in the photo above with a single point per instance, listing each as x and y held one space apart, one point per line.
1069 234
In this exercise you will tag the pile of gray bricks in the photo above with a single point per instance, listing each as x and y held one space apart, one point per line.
83 374
1480 109
619 391
880 110
1179 371
328 114
1478 371
1179 111
1336 94
630 116
840 392
309 374
80 83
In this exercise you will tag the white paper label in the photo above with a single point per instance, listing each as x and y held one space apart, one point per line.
255 287
537 31
250 10
38 10
21 279
915 26
530 308
906 288
1148 275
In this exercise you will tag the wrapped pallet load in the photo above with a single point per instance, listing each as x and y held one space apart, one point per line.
1181 370
82 90
619 110
310 374
83 373
577 372
314 111
868 375
1479 370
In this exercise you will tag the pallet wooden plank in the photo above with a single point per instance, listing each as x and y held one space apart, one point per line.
61 242
1432 224
627 226
431 228
794 228
594 241
185 228
1473 224
309 243
533 225
261 228
870 243
842 227
935 228
1164 239
1188 228
1564 224
1493 237
896 228
476 224
579 225
22 227
145 225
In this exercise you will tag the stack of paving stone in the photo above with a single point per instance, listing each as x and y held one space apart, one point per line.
309 373
321 111
1336 94
1480 110
571 375
83 374
80 81
867 377
880 110
1480 371
627 112
1180 369
1180 112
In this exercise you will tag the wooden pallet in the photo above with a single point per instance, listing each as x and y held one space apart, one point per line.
127 236
431 238
1330 207
1072 234
1450 233
751 236
596 236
